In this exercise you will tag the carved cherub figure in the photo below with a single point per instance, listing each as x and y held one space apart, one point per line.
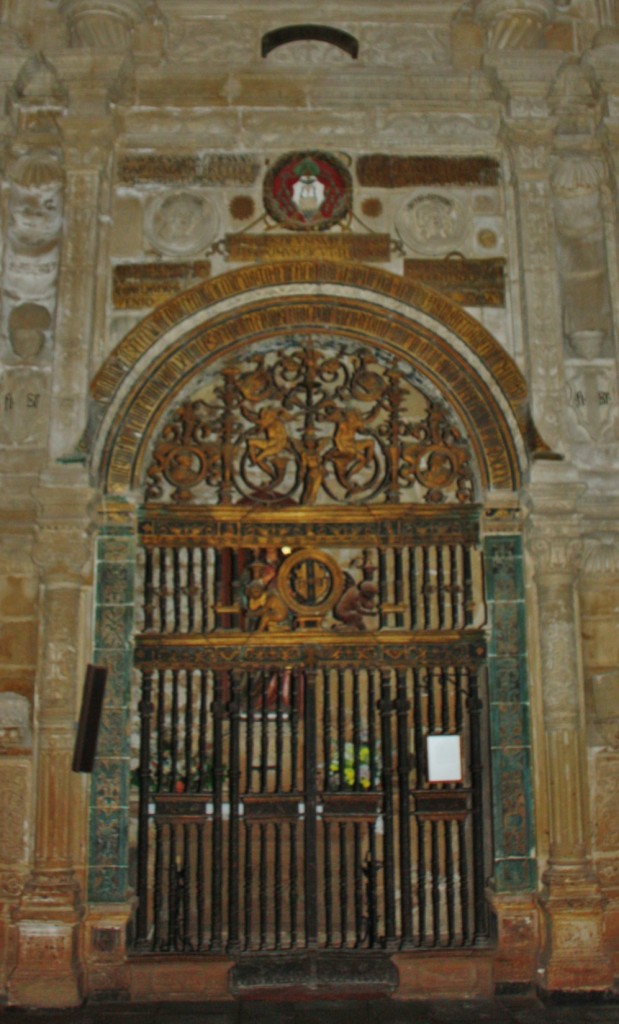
267 452
357 602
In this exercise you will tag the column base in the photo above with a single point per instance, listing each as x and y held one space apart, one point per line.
576 958
105 951
47 972
517 922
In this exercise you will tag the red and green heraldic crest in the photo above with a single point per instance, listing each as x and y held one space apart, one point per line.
308 191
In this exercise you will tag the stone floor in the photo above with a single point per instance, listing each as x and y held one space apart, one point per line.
501 1011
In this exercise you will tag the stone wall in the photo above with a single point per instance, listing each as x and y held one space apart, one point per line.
482 142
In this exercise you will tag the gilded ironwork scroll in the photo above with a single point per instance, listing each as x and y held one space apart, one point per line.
310 422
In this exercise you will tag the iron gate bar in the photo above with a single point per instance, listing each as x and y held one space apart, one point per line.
402 706
311 801
145 710
386 709
218 773
234 773
480 906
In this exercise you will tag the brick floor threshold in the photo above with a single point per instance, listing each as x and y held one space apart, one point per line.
521 1010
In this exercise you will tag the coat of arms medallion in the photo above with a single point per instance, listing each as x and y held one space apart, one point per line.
308 191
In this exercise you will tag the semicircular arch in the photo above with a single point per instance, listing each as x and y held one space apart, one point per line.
153 367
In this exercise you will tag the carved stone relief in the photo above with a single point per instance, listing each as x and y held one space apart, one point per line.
581 257
32 253
15 730
403 44
24 406
213 42
309 51
440 222
181 223
592 395
432 223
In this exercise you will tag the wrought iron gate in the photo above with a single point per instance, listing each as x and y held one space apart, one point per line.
295 657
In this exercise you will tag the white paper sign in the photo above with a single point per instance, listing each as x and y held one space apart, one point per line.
444 759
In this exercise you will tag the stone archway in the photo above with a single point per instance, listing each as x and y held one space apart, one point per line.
152 365
153 370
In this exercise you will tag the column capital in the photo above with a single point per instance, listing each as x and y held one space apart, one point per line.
530 144
556 554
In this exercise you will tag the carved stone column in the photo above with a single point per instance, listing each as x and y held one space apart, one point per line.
574 956
87 153
529 143
47 971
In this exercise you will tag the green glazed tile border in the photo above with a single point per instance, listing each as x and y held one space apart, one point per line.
508 638
113 736
508 679
116 548
111 783
115 583
109 814
512 805
107 884
515 874
119 665
109 838
113 626
509 724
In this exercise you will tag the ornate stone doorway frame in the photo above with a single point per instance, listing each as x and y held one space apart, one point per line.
137 386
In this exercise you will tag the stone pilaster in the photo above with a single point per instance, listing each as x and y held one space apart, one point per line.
87 153
47 971
529 141
575 955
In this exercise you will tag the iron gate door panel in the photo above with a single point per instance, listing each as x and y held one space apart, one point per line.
311 613
290 809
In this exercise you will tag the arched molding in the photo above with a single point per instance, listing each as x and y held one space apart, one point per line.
153 367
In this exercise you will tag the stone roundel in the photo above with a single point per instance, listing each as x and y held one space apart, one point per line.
181 223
